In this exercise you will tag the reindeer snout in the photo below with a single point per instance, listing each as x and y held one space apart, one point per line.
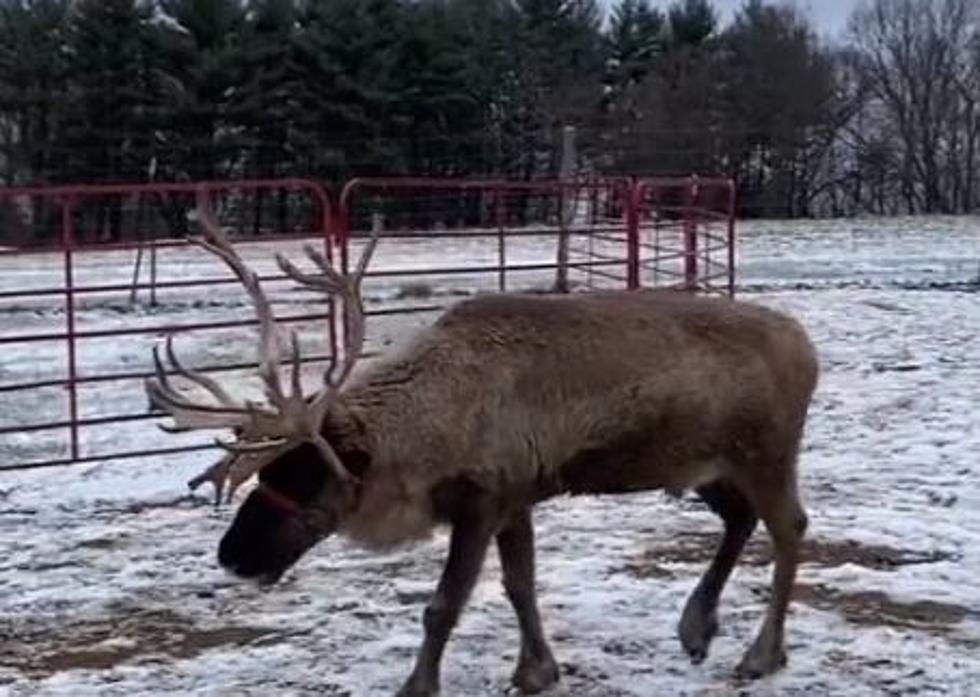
228 556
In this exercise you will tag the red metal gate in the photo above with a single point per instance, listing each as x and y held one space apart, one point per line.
445 239
78 317
686 233
510 229
75 339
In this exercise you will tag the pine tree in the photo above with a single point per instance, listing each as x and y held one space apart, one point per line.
635 40
691 22
780 98
33 82
494 81
114 100
199 45
345 53
112 97
264 104
559 75
436 113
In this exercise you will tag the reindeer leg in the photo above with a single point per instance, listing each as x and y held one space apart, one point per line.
786 522
536 668
699 622
467 550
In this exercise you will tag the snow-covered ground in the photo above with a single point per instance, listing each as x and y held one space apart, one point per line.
108 583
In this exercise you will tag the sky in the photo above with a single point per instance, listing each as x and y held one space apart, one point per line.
830 15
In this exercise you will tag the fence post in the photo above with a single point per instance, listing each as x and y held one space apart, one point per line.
632 198
691 235
566 212
68 245
498 213
731 237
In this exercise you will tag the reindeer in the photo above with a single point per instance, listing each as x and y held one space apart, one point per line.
506 401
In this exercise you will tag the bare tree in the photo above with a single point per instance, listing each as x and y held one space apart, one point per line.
918 59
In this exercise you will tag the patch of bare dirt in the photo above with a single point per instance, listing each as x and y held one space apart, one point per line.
187 501
699 548
870 608
104 543
874 608
42 649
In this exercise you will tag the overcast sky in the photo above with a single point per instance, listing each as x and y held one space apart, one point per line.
830 15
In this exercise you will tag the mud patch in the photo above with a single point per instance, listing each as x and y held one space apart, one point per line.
41 649
187 502
866 608
876 609
103 543
40 567
417 289
699 548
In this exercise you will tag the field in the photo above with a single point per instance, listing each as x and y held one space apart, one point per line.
109 586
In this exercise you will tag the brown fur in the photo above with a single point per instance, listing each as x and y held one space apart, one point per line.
531 396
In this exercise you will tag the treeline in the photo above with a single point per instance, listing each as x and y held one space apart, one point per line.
883 121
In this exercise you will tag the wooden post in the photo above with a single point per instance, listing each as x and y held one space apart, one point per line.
566 214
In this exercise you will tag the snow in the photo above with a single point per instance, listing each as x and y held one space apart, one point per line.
108 583
162 19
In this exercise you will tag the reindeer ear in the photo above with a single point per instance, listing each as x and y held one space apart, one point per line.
346 433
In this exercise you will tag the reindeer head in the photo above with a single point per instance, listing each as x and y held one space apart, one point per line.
304 487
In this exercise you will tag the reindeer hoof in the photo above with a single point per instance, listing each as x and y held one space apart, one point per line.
696 632
758 663
535 675
415 687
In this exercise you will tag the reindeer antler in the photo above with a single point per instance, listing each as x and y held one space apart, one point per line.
348 289
263 432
